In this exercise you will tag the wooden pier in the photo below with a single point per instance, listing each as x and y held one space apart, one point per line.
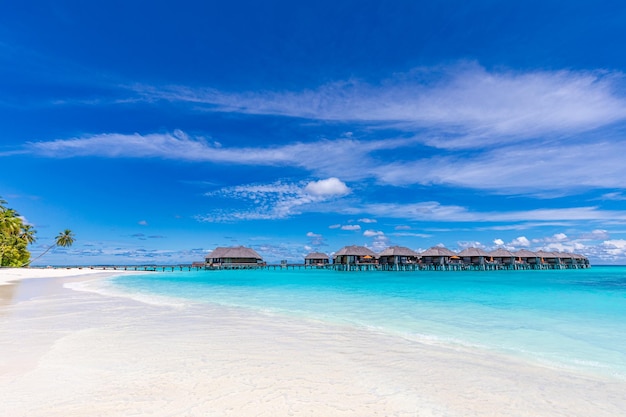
359 266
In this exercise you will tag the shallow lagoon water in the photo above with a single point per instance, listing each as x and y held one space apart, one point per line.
565 318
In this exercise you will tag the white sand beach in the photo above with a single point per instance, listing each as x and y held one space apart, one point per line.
66 352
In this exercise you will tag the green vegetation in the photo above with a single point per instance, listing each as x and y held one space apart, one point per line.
15 236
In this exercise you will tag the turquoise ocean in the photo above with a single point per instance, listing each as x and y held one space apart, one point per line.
574 319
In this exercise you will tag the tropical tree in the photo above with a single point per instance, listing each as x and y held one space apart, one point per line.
15 236
64 239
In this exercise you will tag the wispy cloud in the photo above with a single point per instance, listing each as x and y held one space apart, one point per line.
481 106
278 200
536 169
507 132
434 211
353 227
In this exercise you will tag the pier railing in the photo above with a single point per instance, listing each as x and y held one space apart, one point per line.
367 266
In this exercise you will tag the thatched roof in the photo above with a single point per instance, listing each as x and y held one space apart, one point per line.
525 253
546 254
398 251
233 252
316 255
473 252
438 251
355 251
501 253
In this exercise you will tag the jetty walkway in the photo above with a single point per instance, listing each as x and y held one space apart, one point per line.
344 267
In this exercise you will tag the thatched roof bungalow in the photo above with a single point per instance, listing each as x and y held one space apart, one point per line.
437 255
316 258
580 260
238 255
549 258
398 255
526 256
502 256
350 255
474 256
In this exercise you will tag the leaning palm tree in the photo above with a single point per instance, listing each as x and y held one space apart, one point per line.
64 239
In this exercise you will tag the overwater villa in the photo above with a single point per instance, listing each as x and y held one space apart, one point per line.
354 255
526 258
398 258
233 258
502 257
438 256
316 258
474 256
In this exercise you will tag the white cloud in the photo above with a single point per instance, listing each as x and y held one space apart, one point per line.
142 223
521 241
495 106
351 227
366 220
534 132
328 187
409 234
598 234
315 239
334 226
470 244
615 247
379 240
435 211
277 200
558 237
613 196
498 242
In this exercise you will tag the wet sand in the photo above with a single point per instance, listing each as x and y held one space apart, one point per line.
79 353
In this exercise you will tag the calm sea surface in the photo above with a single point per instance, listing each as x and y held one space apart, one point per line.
575 319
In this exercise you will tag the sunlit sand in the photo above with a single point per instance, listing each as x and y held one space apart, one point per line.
67 352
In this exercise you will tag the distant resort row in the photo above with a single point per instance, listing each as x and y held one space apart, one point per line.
399 258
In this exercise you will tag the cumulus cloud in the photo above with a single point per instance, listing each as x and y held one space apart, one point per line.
615 247
521 241
328 187
379 240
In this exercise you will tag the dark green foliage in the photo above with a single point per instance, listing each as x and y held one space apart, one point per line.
15 236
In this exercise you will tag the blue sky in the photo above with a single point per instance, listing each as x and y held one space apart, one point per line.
159 130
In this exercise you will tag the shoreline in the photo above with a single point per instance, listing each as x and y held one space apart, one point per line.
118 356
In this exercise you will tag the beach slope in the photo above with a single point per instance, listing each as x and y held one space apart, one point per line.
71 351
